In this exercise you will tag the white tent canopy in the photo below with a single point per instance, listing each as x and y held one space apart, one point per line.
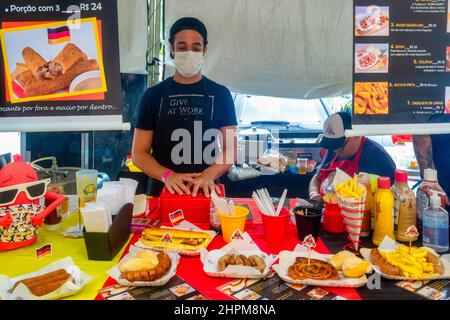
282 48
133 35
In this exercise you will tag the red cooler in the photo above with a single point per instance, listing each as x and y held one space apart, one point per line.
196 210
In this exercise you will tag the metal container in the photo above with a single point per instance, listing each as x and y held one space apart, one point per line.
252 143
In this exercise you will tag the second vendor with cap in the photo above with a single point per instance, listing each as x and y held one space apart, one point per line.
185 133
351 155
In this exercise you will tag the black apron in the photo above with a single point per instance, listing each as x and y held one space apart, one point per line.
181 111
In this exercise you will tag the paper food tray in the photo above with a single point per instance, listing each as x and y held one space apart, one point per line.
211 258
185 225
116 274
66 290
389 245
287 258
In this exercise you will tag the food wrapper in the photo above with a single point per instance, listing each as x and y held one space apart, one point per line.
287 258
67 289
186 225
352 209
246 247
388 245
116 274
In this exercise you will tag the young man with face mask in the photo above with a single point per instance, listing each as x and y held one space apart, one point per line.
185 136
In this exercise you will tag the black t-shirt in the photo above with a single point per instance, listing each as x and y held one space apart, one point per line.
184 119
441 159
374 160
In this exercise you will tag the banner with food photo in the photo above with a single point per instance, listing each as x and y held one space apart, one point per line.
60 58
400 70
53 60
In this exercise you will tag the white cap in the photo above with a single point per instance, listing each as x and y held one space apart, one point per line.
430 175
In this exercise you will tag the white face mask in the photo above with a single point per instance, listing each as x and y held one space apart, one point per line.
188 63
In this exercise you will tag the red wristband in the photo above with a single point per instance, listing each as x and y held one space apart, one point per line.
166 175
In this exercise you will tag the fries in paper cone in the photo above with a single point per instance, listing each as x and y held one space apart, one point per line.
352 197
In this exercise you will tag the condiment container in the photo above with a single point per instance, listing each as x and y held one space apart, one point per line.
384 207
404 206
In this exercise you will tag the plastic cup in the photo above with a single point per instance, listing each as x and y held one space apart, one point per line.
308 224
275 227
332 218
302 165
86 186
231 223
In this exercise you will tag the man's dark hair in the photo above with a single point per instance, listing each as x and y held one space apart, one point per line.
188 23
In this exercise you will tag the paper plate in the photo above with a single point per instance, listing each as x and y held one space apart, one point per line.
116 274
211 258
287 258
188 253
70 288
444 259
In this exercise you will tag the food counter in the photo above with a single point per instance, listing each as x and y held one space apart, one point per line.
192 282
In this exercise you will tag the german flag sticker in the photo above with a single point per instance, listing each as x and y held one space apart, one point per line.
58 35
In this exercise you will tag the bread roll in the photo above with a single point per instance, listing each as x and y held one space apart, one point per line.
337 260
176 233
148 256
355 267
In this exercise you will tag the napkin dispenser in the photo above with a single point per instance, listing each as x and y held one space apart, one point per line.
195 209
105 246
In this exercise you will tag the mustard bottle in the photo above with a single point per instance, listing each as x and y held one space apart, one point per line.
384 208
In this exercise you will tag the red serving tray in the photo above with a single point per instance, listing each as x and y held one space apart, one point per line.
195 209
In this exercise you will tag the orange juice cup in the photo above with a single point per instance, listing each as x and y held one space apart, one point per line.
231 223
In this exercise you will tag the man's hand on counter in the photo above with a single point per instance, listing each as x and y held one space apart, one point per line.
181 182
205 182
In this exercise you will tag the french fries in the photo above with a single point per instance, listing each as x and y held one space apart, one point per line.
330 198
414 265
371 98
351 189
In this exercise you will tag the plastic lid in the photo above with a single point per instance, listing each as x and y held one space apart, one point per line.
435 200
430 175
384 183
401 176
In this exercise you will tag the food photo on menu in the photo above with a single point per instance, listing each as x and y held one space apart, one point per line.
371 98
372 58
52 60
371 21
448 18
447 100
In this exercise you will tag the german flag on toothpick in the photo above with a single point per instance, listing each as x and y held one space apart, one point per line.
58 35
45 250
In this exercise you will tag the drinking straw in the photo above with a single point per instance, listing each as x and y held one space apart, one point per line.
259 203
269 200
281 202
219 203
261 197
232 207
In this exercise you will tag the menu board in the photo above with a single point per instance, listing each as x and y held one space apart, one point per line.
401 79
273 288
59 59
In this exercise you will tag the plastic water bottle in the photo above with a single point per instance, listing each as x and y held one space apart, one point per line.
435 226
